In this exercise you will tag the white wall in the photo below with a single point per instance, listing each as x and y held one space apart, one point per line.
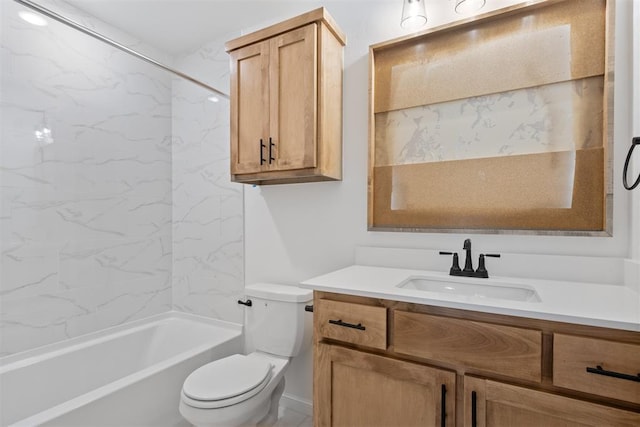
634 249
294 232
86 220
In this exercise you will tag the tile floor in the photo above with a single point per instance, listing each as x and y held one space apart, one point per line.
290 418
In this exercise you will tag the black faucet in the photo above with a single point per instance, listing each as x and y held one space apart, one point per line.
468 270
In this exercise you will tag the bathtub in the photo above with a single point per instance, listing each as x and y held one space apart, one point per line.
130 375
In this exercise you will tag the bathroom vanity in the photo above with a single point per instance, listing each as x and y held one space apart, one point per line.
390 354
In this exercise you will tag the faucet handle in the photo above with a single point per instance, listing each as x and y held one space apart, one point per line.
455 265
482 270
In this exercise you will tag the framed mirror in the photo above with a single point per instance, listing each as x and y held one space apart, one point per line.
501 124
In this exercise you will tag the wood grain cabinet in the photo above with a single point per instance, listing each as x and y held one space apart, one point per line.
360 389
388 363
491 403
286 102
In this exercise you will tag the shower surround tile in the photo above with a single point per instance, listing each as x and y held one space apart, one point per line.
85 215
208 233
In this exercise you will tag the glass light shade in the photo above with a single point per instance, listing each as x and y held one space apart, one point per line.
413 14
469 6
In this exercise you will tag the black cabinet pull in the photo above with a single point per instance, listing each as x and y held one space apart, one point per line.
271 145
262 146
443 405
474 409
598 370
347 325
248 302
308 308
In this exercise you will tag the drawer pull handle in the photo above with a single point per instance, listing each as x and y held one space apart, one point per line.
598 370
474 409
347 325
443 406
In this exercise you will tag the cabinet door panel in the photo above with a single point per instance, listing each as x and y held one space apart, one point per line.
499 404
293 85
249 107
356 389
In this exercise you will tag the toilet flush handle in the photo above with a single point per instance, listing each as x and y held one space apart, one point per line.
248 302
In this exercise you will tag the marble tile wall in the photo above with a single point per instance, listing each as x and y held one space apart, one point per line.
85 213
208 228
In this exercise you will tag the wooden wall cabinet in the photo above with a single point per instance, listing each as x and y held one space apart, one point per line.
383 363
286 102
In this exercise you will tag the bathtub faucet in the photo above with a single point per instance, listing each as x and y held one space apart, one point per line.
468 270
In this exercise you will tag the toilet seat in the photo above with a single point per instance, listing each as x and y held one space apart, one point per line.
226 382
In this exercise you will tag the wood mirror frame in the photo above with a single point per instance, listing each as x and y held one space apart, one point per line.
501 123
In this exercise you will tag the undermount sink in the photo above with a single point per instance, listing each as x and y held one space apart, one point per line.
472 288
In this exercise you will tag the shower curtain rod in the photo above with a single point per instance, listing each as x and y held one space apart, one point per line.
53 15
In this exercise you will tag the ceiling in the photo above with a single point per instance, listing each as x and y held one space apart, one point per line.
176 26
179 26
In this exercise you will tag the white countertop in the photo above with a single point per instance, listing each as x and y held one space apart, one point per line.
612 306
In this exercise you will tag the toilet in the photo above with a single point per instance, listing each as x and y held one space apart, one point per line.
245 390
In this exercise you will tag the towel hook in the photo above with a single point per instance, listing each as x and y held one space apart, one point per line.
635 141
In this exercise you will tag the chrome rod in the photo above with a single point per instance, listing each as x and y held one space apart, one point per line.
53 15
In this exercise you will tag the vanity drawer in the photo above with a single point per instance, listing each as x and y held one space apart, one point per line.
359 324
504 350
573 355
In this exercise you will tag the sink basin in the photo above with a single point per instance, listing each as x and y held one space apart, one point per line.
472 288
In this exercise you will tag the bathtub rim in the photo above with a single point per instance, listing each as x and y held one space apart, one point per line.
34 355
62 347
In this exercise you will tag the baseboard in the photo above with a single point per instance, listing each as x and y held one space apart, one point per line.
297 404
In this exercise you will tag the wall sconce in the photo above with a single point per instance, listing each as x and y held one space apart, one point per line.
413 14
469 6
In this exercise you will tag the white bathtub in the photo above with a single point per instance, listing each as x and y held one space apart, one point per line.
125 376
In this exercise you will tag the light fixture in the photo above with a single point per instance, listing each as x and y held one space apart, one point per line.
213 98
32 18
469 6
413 14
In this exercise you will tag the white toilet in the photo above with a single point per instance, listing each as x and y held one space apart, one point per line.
244 390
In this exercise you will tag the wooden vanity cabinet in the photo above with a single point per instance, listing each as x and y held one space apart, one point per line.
491 403
360 389
380 362
286 102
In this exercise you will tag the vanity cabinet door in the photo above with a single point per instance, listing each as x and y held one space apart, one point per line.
493 404
354 388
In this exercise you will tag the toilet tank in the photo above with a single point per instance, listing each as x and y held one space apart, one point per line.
276 322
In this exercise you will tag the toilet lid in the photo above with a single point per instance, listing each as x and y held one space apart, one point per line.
227 378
